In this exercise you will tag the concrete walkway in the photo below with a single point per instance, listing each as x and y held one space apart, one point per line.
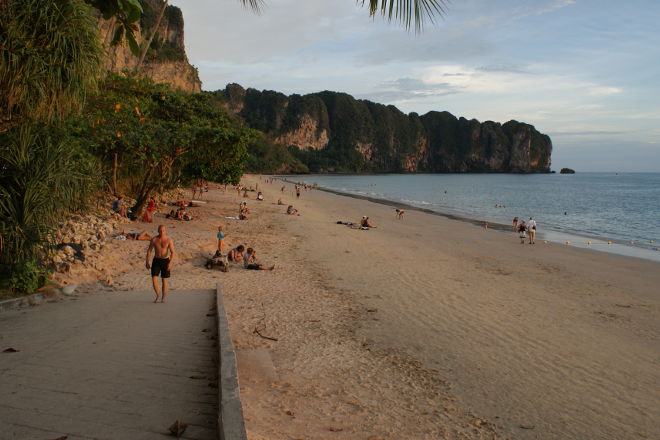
110 366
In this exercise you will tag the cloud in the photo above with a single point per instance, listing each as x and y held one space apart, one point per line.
406 88
603 91
587 133
504 67
548 7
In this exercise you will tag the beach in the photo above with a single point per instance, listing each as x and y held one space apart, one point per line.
422 328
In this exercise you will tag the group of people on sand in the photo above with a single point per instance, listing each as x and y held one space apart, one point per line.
248 257
148 215
199 187
525 229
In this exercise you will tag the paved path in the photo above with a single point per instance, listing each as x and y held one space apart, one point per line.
109 366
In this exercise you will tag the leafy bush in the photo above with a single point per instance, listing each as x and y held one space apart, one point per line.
23 278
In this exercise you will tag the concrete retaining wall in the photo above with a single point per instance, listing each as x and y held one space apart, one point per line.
231 425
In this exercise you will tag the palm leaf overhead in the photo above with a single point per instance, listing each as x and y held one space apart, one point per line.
407 12
255 5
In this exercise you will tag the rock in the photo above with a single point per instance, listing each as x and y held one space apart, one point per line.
567 171
68 290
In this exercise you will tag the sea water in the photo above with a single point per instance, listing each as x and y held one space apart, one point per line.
583 209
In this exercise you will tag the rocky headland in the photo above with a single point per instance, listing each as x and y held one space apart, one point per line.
166 61
334 132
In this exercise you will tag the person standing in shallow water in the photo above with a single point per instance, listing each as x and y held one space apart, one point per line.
531 230
161 265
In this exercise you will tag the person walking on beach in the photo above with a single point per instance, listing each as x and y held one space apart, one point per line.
161 265
531 230
399 214
297 192
515 224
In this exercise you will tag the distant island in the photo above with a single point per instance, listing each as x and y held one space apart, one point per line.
329 132
567 171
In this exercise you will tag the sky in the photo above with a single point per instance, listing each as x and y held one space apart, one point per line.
585 72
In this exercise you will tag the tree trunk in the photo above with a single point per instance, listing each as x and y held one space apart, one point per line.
143 193
147 42
114 173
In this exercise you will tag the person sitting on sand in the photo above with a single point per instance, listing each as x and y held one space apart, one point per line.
118 207
236 254
180 213
366 223
147 217
291 210
250 261
152 205
260 196
280 202
399 214
144 235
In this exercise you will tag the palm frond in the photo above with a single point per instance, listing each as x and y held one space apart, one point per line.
407 12
255 5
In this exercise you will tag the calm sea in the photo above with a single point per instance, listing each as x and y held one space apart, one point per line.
622 208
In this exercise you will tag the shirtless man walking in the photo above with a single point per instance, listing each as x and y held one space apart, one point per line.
163 257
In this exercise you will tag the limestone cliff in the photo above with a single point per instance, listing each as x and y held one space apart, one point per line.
166 59
336 132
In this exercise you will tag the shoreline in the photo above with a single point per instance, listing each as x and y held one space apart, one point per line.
553 234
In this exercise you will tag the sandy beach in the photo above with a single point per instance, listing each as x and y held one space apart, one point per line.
423 328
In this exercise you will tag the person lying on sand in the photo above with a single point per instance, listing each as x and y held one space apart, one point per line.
366 223
144 235
236 254
185 203
291 210
250 261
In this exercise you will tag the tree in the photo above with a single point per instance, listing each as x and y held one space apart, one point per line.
407 12
50 59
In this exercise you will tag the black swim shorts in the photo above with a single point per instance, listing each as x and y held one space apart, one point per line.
159 267
252 266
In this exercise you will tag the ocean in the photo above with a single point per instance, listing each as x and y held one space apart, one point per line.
611 212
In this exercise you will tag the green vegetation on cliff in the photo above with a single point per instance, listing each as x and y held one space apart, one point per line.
334 132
